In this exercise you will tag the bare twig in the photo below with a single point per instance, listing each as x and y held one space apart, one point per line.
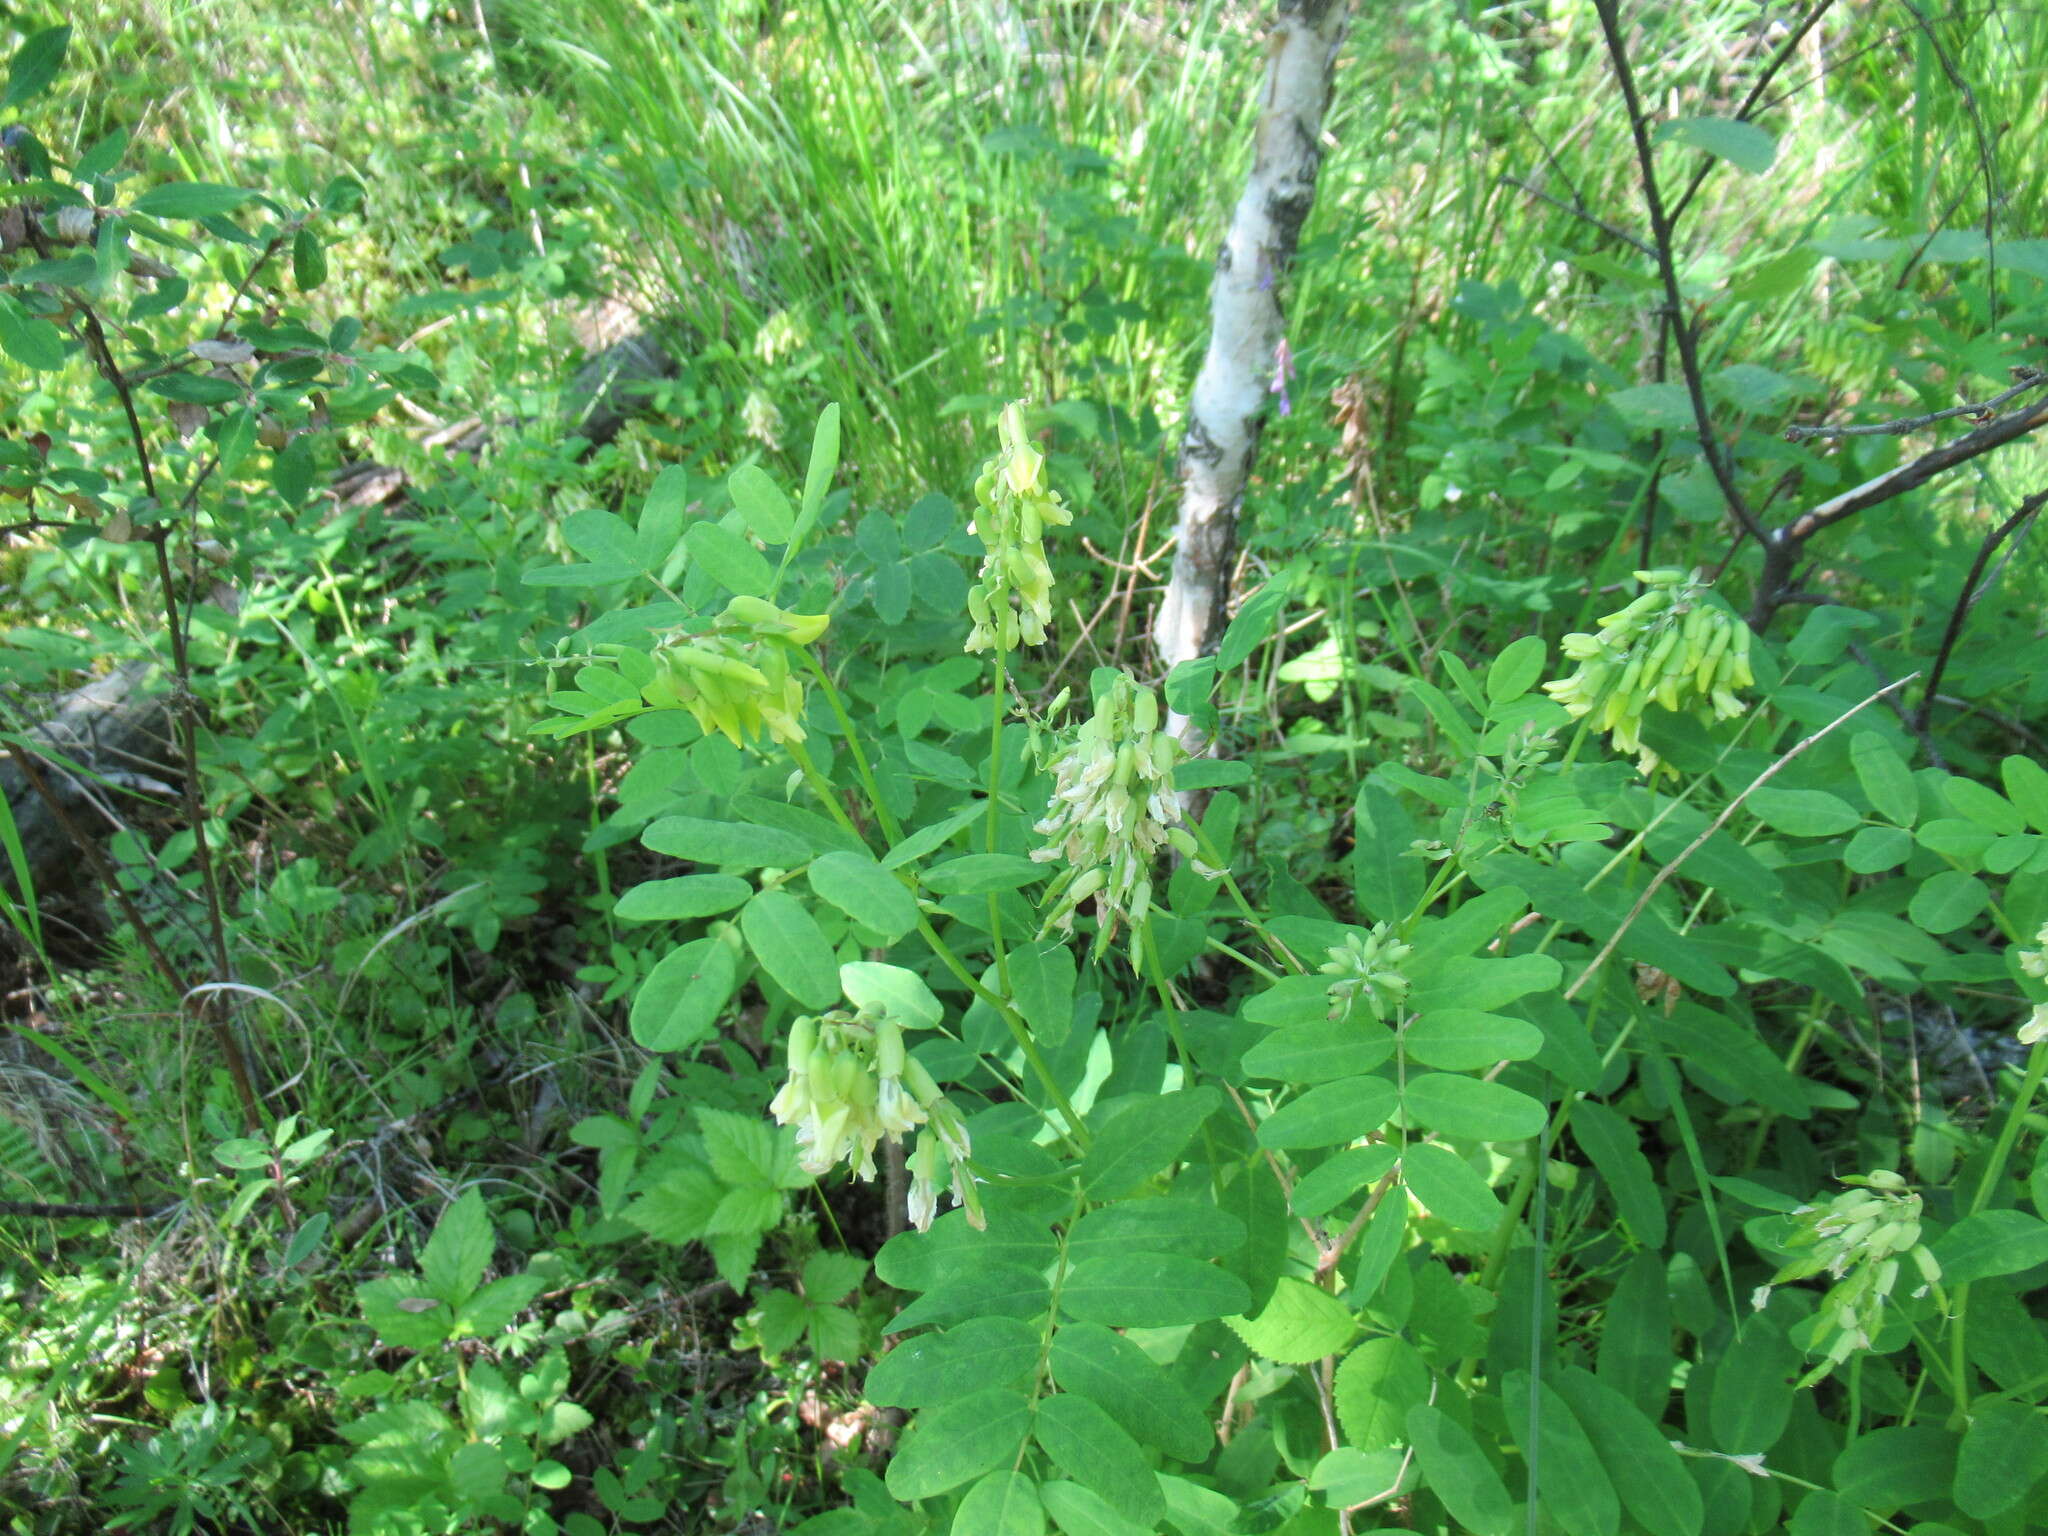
1973 588
1682 330
1657 882
1613 230
2029 378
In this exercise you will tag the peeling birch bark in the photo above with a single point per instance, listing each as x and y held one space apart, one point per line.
1246 360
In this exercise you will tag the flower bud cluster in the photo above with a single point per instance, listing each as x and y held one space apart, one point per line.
851 1085
1859 1239
1012 603
1366 970
1669 647
1112 810
739 679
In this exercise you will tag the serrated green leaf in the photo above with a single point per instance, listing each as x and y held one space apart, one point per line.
1375 1387
454 1260
492 1309
1300 1323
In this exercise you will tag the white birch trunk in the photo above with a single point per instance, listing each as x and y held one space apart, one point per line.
1234 389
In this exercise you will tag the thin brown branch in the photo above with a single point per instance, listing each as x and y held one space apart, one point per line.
1974 587
1615 231
2029 378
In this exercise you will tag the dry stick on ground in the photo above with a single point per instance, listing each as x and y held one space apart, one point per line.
1234 390
1657 882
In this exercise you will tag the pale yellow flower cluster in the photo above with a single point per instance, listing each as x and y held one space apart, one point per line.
1112 811
1012 603
1858 1238
739 680
1366 968
1669 647
851 1086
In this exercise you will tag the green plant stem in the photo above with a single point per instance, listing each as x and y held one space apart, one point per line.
1994 1170
890 827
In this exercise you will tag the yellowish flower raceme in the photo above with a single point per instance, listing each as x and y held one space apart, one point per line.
1112 811
1859 1239
1670 647
1012 603
741 679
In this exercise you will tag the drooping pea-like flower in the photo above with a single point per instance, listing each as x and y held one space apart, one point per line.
2035 961
1012 602
852 1085
1670 647
740 679
1112 811
1366 970
2035 1030
1859 1239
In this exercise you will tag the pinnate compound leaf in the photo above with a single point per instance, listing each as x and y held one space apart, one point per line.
1001 1504
865 892
1450 1187
1574 1489
1087 1444
791 947
935 1368
1472 1109
1300 1323
1122 1379
1456 1470
1999 1242
680 1001
2004 1453
1079 1511
1330 1115
1151 1290
1143 1134
1884 1469
1375 1387
957 1442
